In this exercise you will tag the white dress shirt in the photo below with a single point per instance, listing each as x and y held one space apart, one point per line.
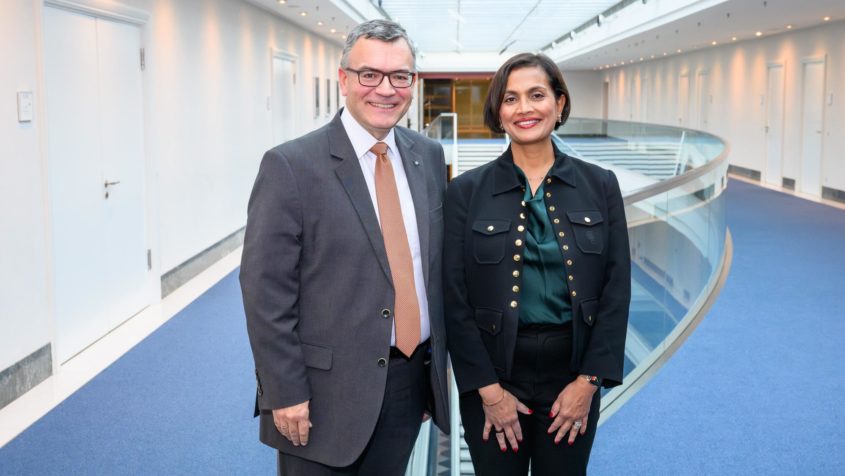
362 142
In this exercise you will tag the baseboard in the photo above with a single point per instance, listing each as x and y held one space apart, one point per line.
183 273
744 172
25 374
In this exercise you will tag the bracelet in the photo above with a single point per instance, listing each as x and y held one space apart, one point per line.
497 401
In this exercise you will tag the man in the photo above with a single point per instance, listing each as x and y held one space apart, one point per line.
341 276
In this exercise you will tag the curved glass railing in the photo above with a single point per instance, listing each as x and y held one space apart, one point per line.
672 181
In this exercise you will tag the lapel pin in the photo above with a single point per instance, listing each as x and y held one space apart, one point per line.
417 163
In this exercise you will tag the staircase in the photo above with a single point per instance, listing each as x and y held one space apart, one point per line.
472 154
657 159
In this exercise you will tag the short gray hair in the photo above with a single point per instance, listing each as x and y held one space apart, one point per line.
383 30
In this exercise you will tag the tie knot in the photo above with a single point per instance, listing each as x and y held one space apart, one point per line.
380 148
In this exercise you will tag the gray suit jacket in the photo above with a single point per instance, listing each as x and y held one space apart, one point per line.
315 279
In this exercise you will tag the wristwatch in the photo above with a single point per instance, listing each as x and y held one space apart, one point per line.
593 379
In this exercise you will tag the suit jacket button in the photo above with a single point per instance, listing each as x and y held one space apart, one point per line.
382 362
385 313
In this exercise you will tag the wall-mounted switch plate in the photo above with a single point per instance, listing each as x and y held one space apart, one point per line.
24 106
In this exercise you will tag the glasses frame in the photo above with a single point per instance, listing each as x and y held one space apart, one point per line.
383 74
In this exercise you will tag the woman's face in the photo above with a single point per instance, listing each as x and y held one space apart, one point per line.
529 109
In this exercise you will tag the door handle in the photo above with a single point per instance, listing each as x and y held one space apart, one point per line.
108 184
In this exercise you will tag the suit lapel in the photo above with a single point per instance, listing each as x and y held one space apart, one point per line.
352 178
412 162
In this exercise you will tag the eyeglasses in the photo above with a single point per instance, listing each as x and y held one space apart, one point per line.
373 77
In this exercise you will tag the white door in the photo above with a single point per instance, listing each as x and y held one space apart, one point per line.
812 127
774 125
284 98
703 101
95 137
683 100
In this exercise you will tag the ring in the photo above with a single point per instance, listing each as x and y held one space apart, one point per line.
577 425
500 431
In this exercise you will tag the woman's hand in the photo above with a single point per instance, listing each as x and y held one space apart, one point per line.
571 409
500 414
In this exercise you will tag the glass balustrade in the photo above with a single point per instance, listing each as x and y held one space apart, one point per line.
672 182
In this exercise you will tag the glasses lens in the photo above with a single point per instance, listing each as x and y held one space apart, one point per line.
401 80
370 78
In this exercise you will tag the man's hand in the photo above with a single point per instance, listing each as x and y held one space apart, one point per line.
293 423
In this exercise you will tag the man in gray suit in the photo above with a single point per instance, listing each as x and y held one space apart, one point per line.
341 276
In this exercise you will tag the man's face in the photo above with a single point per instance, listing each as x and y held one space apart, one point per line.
377 108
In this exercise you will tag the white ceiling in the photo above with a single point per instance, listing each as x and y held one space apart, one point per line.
321 16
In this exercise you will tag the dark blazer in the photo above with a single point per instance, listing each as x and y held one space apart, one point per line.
317 288
485 229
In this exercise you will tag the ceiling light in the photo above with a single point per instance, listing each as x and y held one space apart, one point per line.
714 43
788 27
333 30
623 62
302 14
679 50
282 2
652 56
319 23
641 58
665 53
759 33
733 39
826 18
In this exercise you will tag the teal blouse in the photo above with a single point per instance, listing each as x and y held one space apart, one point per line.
544 298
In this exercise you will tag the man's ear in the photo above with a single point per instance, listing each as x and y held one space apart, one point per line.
342 78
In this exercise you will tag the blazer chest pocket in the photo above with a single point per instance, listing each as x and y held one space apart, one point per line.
488 240
588 236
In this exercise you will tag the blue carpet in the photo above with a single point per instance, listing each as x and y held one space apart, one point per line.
757 388
180 402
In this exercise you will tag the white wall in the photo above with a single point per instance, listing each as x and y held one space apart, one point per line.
737 75
207 80
25 318
585 91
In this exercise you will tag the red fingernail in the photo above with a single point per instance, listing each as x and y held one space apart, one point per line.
504 449
551 415
530 411
516 450
557 442
519 440
570 442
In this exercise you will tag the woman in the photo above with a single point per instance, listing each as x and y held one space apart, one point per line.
537 285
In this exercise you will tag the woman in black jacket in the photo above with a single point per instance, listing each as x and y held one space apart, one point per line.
537 285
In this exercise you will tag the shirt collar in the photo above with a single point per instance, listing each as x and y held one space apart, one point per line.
362 141
507 178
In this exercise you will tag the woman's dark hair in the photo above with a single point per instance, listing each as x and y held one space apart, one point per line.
498 85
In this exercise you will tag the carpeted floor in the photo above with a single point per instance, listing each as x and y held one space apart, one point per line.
756 389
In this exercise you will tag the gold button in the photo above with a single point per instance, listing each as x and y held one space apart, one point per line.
518 242
565 247
548 194
490 228
515 289
574 294
513 304
557 220
571 278
520 228
561 234
552 208
493 327
548 180
516 273
587 219
516 257
523 203
569 262
522 215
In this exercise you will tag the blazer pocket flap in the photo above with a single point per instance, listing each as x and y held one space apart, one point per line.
589 311
489 320
317 357
586 218
491 227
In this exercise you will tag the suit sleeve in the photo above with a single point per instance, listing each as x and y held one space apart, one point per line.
605 353
269 280
470 361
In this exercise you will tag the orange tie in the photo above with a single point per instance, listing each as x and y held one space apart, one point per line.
406 309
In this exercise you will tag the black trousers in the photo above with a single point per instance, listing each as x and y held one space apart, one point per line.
540 371
396 431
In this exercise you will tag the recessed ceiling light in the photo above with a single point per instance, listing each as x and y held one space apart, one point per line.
826 18
623 62
733 39
652 56
302 14
788 27
759 33
665 53
282 2
319 23
679 50
714 43
333 30
641 58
